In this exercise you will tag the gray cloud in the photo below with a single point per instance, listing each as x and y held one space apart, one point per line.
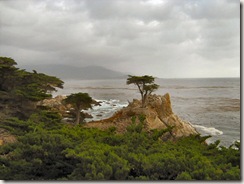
165 38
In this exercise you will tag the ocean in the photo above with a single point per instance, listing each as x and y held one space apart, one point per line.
211 105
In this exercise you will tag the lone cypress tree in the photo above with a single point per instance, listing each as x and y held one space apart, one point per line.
145 85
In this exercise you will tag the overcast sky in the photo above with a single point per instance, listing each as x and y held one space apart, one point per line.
163 38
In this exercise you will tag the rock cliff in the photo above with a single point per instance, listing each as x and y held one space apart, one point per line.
158 114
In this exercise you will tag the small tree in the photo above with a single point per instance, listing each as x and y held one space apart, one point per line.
145 85
7 73
79 101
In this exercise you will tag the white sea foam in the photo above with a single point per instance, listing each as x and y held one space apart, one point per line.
106 109
208 130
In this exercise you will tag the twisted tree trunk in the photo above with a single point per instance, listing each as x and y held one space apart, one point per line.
77 121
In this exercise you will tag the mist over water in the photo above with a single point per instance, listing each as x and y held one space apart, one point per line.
211 105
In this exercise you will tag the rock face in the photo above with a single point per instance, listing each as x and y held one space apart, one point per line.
55 104
158 114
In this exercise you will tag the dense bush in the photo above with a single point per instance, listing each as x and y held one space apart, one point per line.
20 90
49 150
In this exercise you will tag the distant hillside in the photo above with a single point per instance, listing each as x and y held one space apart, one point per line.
71 72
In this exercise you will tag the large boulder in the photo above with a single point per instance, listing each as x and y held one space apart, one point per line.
55 104
158 114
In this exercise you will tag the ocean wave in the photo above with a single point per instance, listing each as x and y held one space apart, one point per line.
208 130
105 110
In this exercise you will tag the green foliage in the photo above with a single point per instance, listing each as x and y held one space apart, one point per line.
49 150
31 92
46 116
79 101
33 86
145 85
156 134
21 90
7 72
7 62
16 126
184 176
136 126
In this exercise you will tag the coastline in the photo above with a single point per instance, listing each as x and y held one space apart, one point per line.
211 103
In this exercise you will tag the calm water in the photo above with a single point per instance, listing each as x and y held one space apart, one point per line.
211 105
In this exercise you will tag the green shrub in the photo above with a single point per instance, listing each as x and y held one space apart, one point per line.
49 150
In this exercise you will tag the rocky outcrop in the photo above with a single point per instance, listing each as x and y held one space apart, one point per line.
6 137
158 114
56 104
65 110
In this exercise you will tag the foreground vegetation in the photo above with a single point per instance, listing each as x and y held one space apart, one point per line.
48 149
